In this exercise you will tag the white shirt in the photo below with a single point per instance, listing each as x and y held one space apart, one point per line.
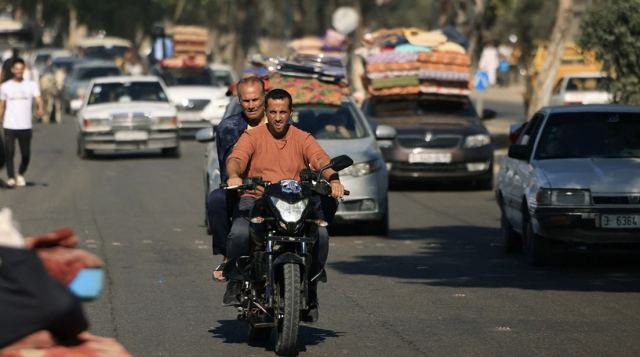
18 97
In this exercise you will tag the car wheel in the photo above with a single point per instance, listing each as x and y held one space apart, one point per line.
511 241
82 151
485 183
535 247
171 152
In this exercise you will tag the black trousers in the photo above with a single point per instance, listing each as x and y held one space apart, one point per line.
23 136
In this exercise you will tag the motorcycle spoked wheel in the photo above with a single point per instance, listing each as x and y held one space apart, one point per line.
287 337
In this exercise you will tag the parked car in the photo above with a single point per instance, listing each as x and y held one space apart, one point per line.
199 94
439 137
76 82
581 88
127 113
339 130
572 176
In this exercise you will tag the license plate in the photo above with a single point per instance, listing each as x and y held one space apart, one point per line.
619 221
189 116
429 158
131 135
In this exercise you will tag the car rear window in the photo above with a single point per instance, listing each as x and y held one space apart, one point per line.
422 106
127 92
329 122
587 84
590 135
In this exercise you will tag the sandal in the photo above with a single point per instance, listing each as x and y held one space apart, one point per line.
218 274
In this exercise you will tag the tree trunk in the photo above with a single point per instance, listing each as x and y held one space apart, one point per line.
545 79
474 32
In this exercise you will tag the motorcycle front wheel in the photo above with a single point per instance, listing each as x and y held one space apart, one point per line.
286 344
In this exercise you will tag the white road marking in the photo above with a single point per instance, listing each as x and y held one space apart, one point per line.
147 241
116 243
177 229
380 244
460 295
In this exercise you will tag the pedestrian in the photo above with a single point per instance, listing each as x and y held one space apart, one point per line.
489 61
16 102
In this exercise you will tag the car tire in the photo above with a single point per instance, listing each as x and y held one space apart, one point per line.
485 183
535 247
82 151
171 152
511 241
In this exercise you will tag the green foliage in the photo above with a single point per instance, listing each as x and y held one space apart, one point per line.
612 29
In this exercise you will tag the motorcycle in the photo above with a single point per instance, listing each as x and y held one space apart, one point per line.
277 274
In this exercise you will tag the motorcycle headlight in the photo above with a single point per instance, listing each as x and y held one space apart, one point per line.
362 168
563 197
475 141
289 212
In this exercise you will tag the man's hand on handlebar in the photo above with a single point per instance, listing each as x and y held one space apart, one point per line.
234 181
337 190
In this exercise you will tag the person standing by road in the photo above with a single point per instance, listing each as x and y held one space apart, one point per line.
16 102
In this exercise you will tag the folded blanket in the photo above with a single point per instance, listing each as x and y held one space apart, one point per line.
394 82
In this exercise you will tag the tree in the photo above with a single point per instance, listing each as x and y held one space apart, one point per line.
546 77
612 29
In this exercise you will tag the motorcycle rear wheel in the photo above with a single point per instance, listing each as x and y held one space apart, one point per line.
286 344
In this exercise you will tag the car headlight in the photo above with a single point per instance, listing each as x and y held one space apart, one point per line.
165 122
563 197
290 213
362 168
475 141
96 124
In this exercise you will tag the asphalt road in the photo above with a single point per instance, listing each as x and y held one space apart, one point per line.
439 285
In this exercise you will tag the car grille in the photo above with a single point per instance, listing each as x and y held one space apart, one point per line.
194 105
405 166
124 121
435 142
631 199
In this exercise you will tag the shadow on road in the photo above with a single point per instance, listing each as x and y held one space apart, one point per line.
236 331
471 256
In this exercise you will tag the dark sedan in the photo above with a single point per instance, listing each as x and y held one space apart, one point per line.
438 137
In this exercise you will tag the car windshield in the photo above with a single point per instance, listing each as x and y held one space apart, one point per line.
65 65
585 84
222 77
105 52
423 106
88 73
127 92
590 135
329 122
192 77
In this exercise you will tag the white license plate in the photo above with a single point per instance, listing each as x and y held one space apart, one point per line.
189 116
131 135
429 158
619 221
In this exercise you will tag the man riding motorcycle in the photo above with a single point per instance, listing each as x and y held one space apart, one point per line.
275 151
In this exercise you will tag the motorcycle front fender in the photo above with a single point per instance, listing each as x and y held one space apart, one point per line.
288 258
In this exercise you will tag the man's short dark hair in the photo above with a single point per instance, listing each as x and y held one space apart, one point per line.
17 60
250 80
278 94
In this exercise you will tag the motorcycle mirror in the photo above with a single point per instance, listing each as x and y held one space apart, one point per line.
340 162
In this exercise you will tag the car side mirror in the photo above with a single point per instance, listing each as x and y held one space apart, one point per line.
205 135
340 162
519 152
385 132
488 114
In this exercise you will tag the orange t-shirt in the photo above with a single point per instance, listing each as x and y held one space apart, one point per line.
261 154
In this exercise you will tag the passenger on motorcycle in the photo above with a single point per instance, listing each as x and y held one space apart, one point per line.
275 151
219 205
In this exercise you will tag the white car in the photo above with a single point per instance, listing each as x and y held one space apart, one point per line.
199 94
127 113
581 88
572 176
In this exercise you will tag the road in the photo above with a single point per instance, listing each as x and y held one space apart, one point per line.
439 285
